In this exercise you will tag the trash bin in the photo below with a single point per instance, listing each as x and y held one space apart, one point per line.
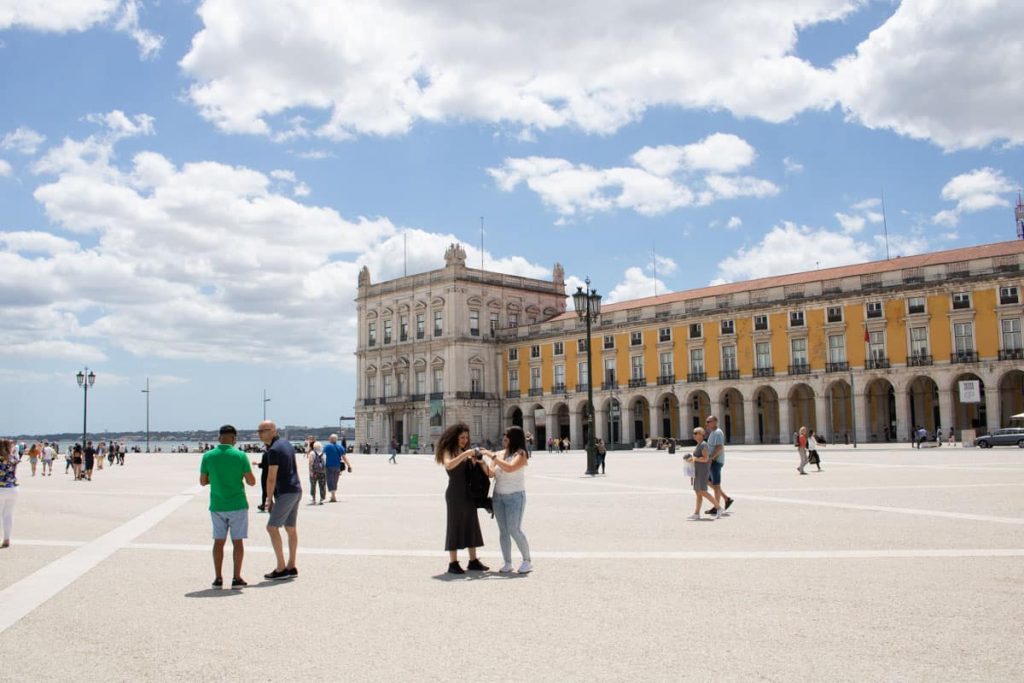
671 447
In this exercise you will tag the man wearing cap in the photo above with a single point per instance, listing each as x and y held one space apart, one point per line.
224 469
716 451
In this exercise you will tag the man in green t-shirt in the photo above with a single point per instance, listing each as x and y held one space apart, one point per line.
225 468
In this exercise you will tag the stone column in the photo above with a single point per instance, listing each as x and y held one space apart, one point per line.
626 425
821 414
601 426
530 427
785 420
903 418
576 422
992 407
862 424
716 410
551 424
946 410
682 426
656 418
749 420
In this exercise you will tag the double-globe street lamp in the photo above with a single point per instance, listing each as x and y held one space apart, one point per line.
86 379
588 308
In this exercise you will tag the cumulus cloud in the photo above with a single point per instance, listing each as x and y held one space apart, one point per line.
734 222
61 16
664 265
975 191
5 168
792 166
635 285
664 179
23 140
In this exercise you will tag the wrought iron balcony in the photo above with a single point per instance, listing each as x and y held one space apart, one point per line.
696 377
666 379
964 357
418 398
878 363
512 393
436 396
767 371
369 401
799 369
637 382
919 359
536 391
558 389
583 387
729 374
840 366
1011 354
608 386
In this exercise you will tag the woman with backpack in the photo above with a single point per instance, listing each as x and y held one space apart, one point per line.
813 442
510 497
317 471
463 528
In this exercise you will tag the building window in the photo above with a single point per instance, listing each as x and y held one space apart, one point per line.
421 325
961 300
513 320
476 380
796 318
438 380
876 345
513 354
387 331
763 353
421 381
665 334
402 384
836 348
438 323
581 346
963 337
535 378
559 377
513 379
728 327
667 366
558 349
581 373
474 323
389 386
915 305
918 341
535 351
799 348
696 360
371 386
609 370
1011 334
729 358
760 323
834 314
874 309
636 367
696 330
478 424
403 328
371 334
635 339
1008 295
494 323
609 341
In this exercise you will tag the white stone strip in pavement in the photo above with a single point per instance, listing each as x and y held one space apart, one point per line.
43 542
885 508
22 597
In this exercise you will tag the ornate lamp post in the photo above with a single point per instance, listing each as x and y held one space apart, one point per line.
588 308
265 399
85 380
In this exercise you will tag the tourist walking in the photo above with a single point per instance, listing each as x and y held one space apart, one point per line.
226 470
8 489
34 452
317 472
952 433
393 449
48 455
77 461
90 459
101 454
284 491
602 451
701 474
801 447
463 525
813 443
510 497
716 452
335 458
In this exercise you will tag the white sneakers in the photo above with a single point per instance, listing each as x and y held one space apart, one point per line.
506 568
525 567
694 518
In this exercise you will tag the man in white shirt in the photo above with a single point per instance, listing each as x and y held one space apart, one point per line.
48 455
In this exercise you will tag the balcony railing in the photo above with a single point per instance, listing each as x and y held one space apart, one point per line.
696 376
369 401
838 366
878 363
558 388
1011 354
537 391
1008 299
666 379
436 395
583 387
608 386
919 359
767 371
512 393
964 357
418 398
799 369
728 374
384 399
637 382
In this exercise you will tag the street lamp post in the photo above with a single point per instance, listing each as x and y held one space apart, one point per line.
265 400
588 307
146 392
86 379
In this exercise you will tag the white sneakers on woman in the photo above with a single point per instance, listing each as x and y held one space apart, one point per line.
506 568
525 567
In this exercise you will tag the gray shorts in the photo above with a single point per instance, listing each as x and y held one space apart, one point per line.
286 510
235 520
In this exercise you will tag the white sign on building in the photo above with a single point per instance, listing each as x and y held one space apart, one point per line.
970 391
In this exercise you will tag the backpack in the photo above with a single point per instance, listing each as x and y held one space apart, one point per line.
478 486
318 464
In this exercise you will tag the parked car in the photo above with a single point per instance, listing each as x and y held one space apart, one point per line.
1010 436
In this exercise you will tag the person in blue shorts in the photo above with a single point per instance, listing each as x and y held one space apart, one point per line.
716 451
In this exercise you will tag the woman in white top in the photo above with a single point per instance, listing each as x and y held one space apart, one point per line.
510 497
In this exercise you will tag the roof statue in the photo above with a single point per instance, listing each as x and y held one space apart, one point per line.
364 277
455 256
558 274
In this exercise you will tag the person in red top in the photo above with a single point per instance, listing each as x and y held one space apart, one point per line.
801 446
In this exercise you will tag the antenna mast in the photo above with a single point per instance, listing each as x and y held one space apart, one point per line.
1019 215
654 267
885 226
481 242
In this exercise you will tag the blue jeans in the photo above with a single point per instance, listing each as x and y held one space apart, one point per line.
508 510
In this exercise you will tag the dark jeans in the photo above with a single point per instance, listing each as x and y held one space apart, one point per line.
318 482
600 462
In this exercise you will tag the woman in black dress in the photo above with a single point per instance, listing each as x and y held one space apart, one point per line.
463 525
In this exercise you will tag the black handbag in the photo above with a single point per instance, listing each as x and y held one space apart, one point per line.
479 487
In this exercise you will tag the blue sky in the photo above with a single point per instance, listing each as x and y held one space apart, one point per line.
189 188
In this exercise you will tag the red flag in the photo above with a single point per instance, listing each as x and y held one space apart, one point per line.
867 337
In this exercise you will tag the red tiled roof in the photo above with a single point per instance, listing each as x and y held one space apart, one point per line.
898 263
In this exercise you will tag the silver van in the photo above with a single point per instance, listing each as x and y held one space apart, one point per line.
1010 436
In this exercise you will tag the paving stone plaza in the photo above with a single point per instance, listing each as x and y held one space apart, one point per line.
891 564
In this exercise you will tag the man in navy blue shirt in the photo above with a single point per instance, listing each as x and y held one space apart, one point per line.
336 458
284 491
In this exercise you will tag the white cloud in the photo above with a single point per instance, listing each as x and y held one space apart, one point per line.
5 168
60 16
635 285
792 166
865 204
851 223
36 242
120 125
664 265
734 223
23 140
665 179
975 191
128 22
